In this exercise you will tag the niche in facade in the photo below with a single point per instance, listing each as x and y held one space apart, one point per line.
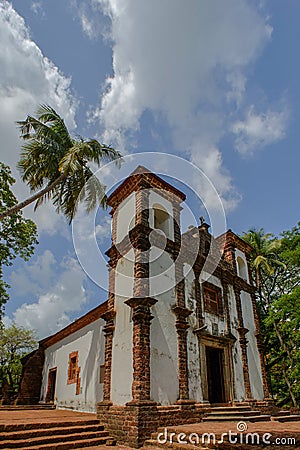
242 268
161 219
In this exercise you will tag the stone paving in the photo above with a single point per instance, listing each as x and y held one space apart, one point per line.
41 416
277 429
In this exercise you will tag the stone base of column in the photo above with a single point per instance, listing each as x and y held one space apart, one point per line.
132 423
265 406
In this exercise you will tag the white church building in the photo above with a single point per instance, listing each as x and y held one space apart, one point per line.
178 333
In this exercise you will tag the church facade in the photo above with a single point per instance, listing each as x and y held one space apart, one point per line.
178 333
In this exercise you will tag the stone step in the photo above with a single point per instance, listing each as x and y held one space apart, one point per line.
26 434
53 440
230 408
287 418
27 407
282 413
66 445
154 445
233 413
36 426
245 418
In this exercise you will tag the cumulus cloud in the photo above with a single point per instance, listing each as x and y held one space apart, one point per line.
187 64
91 19
103 228
53 307
37 8
28 78
259 129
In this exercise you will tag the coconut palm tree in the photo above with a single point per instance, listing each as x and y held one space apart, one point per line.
266 263
55 165
263 256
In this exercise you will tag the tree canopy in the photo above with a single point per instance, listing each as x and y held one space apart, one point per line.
55 165
275 265
17 235
15 342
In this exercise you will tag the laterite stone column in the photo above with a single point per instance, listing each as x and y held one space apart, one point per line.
243 344
109 332
141 317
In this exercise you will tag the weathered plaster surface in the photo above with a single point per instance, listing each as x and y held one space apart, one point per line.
163 336
122 363
252 352
89 342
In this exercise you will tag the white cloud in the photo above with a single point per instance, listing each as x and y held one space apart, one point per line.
259 129
37 8
103 228
91 19
52 309
27 79
186 63
36 275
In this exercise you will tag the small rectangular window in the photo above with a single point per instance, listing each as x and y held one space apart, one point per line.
212 299
73 369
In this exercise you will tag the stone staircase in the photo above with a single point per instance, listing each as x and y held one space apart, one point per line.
39 407
235 413
219 414
54 435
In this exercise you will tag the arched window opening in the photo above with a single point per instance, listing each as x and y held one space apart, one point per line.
161 219
242 268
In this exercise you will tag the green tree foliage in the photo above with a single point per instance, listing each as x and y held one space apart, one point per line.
275 265
15 342
17 235
55 165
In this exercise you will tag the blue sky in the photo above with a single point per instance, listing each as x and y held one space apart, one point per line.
213 82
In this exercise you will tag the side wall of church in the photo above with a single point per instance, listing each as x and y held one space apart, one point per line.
122 351
163 335
240 393
86 391
252 351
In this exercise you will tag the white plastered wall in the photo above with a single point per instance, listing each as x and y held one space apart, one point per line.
252 350
125 216
195 388
122 356
163 335
89 342
240 393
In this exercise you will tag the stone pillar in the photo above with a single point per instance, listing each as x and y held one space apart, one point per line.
226 307
243 344
198 296
31 379
109 332
141 318
181 327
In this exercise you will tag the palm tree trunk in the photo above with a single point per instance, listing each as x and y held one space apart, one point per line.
32 199
289 387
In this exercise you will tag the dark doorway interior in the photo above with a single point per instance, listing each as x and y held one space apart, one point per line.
51 385
215 378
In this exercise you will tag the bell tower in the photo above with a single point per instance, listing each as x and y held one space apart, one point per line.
145 222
